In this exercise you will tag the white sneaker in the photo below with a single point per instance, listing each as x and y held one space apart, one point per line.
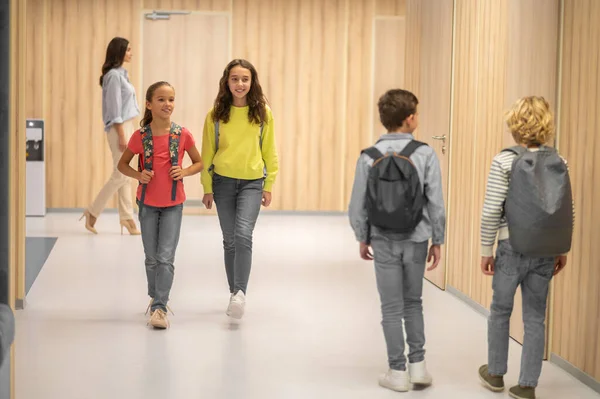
228 312
395 380
419 374
237 305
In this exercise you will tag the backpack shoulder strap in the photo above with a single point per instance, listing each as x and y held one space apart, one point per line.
411 148
517 150
549 149
262 126
148 149
148 146
216 136
373 153
174 140
216 124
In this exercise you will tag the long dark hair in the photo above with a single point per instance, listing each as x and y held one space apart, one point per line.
115 55
257 101
149 94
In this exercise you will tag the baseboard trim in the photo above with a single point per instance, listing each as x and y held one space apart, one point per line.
575 372
198 204
476 306
555 359
20 304
79 210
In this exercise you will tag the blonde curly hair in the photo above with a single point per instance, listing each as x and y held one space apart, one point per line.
530 121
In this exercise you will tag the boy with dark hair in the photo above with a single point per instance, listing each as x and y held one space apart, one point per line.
397 205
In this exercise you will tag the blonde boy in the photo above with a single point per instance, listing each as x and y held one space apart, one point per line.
532 126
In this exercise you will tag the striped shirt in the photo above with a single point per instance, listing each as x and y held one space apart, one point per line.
493 220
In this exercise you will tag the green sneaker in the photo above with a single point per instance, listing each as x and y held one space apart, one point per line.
495 384
519 392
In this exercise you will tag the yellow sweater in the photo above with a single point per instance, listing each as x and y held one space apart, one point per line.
239 155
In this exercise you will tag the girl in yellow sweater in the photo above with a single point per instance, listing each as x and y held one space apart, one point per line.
239 144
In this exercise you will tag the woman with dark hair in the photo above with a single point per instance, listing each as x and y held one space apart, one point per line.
239 144
119 107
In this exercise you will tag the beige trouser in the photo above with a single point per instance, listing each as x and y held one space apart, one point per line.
118 182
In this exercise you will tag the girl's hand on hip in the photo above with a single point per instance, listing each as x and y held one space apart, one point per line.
176 172
146 176
266 198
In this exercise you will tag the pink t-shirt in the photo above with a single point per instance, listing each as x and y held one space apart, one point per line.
158 192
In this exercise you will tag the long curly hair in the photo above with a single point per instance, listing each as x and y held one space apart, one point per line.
257 102
115 55
530 121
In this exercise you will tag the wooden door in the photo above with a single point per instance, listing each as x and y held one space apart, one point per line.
498 49
190 52
434 95
527 80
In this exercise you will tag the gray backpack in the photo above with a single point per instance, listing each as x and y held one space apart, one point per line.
539 204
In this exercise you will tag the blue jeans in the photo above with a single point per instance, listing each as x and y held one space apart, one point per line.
238 205
160 229
399 269
533 275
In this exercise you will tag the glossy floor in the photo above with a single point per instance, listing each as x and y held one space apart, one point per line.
312 327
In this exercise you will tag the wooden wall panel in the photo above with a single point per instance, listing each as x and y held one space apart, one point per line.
499 47
388 63
78 157
196 82
412 59
577 299
17 151
358 87
316 74
434 92
461 237
533 35
533 31
301 74
35 67
487 137
188 5
390 7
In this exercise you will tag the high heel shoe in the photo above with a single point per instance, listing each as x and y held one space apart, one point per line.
130 226
87 215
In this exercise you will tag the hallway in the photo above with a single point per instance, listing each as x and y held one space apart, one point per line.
311 329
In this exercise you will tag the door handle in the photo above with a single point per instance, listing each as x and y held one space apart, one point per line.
443 139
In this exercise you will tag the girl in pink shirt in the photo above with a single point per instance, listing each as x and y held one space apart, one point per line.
161 145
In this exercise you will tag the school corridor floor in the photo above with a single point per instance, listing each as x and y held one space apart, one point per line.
311 331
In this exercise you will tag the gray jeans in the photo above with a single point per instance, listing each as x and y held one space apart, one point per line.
160 229
533 274
400 268
238 205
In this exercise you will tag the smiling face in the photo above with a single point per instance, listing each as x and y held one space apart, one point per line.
163 102
239 82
